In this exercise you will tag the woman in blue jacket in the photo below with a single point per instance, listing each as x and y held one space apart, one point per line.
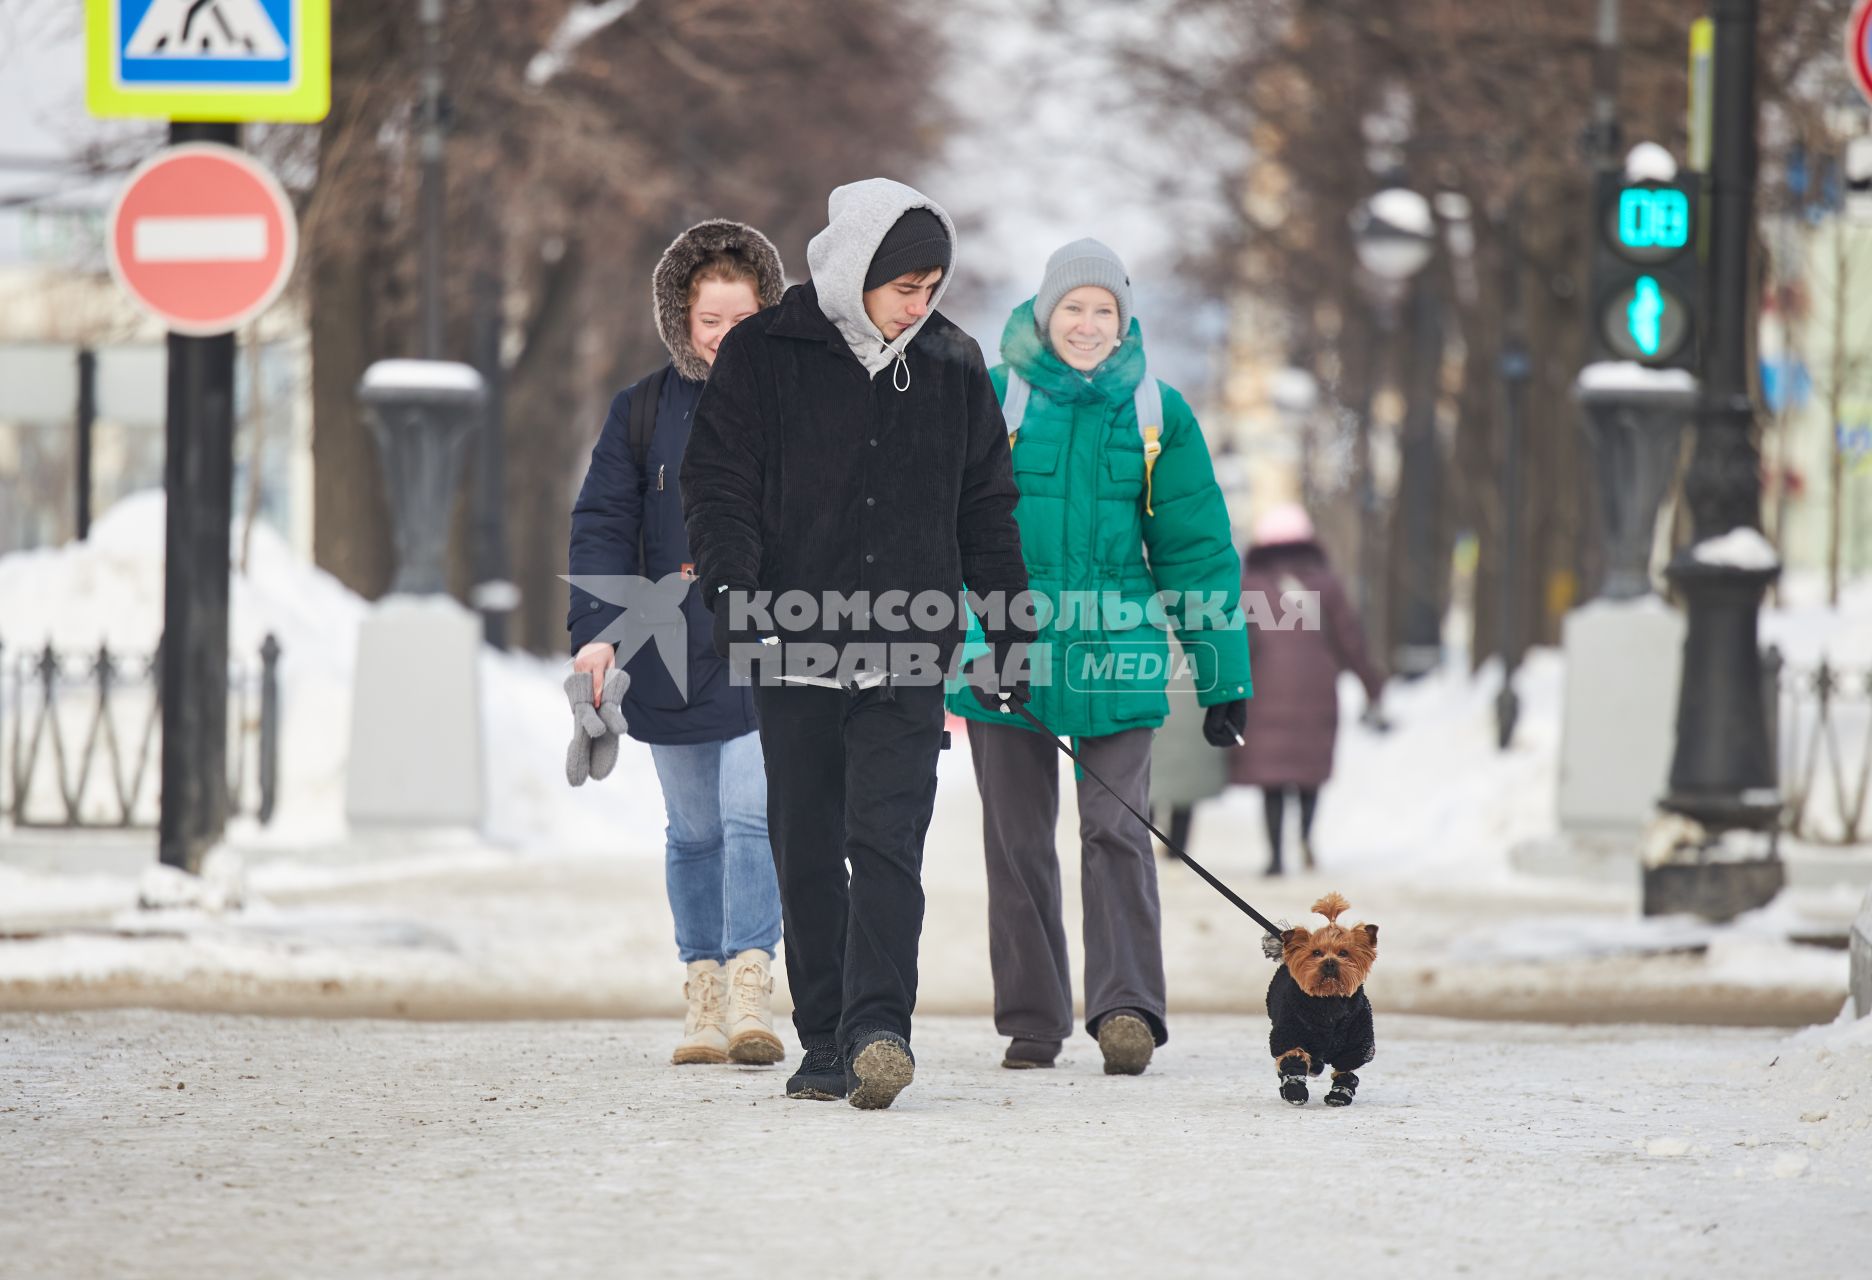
629 520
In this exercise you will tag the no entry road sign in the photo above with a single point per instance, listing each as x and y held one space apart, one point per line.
202 237
1859 47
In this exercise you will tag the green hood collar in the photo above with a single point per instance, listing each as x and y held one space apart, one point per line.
1028 354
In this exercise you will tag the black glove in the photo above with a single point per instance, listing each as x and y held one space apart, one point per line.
726 636
996 693
1223 723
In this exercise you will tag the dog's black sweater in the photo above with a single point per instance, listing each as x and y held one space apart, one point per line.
1332 1029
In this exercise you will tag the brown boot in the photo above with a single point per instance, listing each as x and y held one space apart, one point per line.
1126 1041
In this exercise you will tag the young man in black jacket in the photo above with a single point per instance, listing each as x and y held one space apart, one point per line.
849 454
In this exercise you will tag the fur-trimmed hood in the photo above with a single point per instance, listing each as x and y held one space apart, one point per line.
670 282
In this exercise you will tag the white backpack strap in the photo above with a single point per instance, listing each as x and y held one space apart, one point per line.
1149 402
1014 402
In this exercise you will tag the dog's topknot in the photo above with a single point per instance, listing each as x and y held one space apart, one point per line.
1331 905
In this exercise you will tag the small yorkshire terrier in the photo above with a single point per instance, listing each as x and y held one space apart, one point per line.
1318 1003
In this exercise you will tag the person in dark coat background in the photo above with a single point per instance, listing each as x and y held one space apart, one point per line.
628 520
1293 719
850 442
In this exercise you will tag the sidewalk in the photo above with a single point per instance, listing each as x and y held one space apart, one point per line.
142 1144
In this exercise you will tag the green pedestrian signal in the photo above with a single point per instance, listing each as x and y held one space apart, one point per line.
1646 322
1645 314
1646 274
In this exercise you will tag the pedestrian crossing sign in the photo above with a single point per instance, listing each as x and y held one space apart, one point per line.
216 60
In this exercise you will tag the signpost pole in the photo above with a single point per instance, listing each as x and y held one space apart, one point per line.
198 484
87 421
203 240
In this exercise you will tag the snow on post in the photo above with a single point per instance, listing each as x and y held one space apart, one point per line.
422 377
1742 548
1628 377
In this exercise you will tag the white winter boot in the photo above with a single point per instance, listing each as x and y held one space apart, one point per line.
751 1036
705 1035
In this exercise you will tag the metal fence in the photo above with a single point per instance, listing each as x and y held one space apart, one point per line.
81 735
1823 732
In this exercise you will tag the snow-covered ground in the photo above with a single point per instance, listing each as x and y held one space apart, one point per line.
136 1144
560 910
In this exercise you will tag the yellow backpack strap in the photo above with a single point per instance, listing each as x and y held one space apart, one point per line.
1149 401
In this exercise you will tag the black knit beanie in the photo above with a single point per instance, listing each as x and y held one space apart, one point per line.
917 242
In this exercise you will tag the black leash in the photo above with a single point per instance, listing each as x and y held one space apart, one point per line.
1169 844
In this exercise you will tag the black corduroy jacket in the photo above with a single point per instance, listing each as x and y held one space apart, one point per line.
806 473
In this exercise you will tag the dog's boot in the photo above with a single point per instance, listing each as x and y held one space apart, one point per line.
1344 1085
878 1070
821 1076
1126 1041
1293 1084
1024 1055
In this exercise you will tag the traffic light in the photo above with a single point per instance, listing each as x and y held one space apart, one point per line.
1646 272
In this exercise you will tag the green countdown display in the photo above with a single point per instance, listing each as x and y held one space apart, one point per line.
1647 224
1653 218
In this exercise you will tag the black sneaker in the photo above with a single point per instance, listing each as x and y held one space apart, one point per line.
1294 1089
878 1069
821 1076
1344 1085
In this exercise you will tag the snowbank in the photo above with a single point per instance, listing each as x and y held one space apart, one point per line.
110 588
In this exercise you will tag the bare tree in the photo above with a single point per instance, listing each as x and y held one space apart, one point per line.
567 177
1487 101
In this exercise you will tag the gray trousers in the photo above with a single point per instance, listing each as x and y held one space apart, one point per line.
1017 772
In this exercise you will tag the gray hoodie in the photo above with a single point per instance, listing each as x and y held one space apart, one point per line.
859 214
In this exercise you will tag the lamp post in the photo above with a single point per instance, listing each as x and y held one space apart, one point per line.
1394 235
433 145
1516 366
1722 775
1294 394
423 413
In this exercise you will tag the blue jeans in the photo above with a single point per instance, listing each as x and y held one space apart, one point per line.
718 863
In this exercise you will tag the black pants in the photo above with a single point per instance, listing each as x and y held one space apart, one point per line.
851 779
1181 822
1273 808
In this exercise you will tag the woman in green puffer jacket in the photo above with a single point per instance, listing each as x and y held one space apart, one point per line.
1111 515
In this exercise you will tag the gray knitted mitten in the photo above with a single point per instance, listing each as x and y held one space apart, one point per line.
587 728
604 749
